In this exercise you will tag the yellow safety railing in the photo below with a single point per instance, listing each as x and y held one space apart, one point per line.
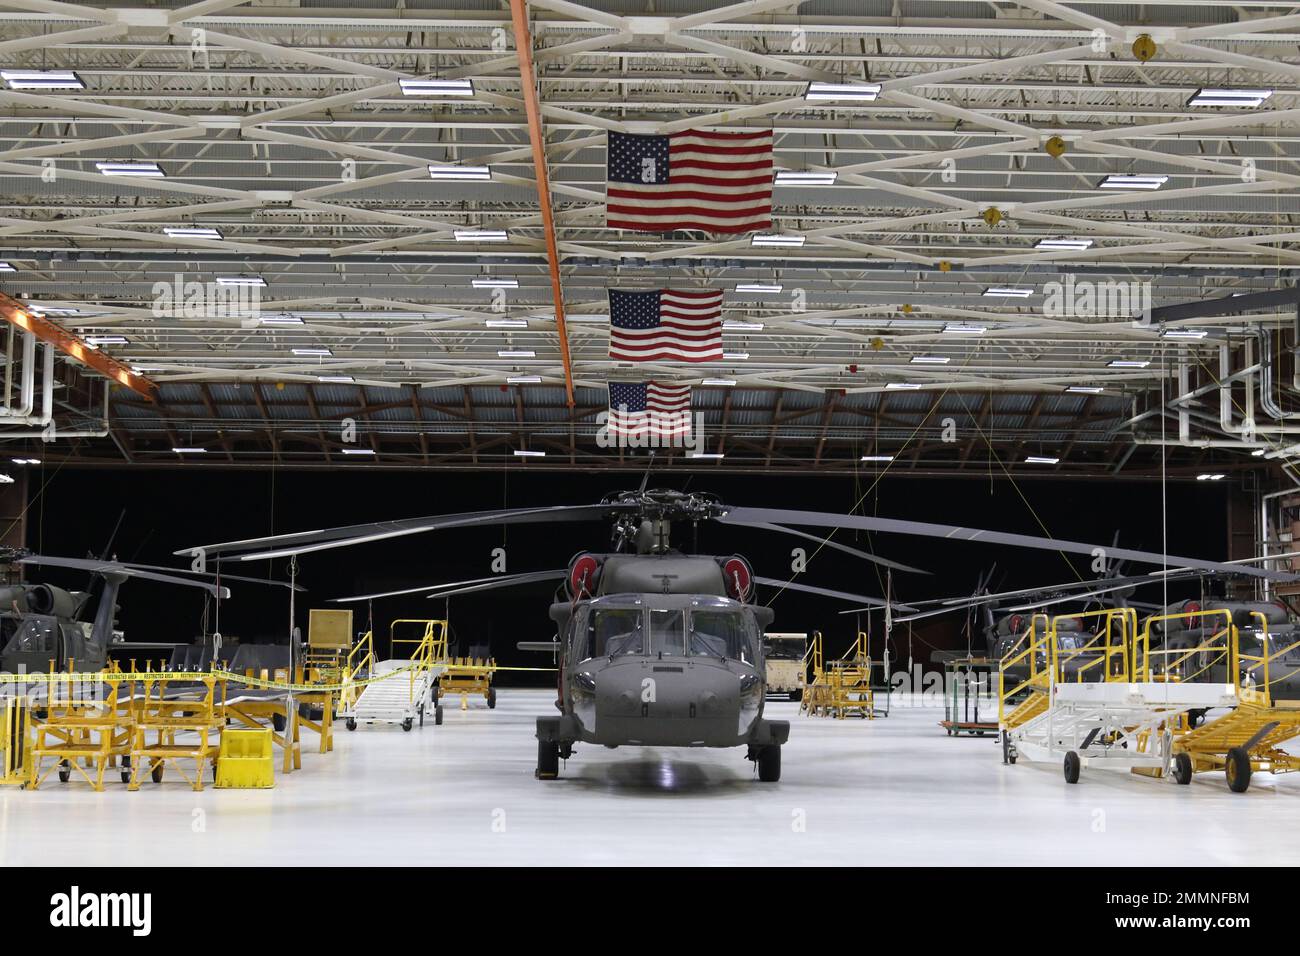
1172 663
1112 643
1262 689
1035 652
361 659
430 647
813 656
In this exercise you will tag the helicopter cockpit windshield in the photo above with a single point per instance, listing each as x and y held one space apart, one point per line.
721 631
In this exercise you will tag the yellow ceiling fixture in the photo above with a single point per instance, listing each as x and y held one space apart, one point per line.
992 216
1055 147
1144 48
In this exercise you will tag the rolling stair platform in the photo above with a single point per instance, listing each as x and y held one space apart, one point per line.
396 690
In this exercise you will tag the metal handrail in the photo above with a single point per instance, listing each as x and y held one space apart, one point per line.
1031 650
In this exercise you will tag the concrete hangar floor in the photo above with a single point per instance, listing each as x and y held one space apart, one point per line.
892 792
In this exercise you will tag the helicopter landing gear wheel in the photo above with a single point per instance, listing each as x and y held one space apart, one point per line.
548 759
1237 768
1072 767
1182 769
407 723
769 763
65 772
351 724
492 698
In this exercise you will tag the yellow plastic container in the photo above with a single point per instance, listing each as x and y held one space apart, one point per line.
245 760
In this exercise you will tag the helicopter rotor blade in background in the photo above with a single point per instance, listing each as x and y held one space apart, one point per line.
824 519
213 575
449 588
827 592
782 529
112 567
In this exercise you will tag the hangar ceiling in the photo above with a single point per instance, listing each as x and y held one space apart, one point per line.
284 135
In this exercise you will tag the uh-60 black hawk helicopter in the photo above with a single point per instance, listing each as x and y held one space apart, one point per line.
657 647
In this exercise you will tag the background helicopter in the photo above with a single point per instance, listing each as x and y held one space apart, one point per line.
653 594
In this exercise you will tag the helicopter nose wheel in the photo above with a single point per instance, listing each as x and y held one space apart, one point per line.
768 759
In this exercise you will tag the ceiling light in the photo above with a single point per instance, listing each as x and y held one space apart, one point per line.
450 174
965 329
190 451
1184 333
525 453
26 461
1125 181
742 326
895 386
106 340
281 319
6 479
882 458
1128 363
735 356
930 359
312 352
1041 460
481 235
357 451
495 283
516 353
131 169
1258 452
241 280
713 455
192 232
1063 244
777 239
718 381
864 92
1213 97
436 87
806 177
42 80
506 323
1209 477
758 287
1011 292
523 379
1085 389
336 379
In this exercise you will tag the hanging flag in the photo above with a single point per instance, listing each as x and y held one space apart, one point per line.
649 409
665 325
717 182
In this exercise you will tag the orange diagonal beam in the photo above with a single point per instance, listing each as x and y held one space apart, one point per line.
524 45
16 313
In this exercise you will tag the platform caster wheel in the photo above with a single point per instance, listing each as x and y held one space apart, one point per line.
1182 769
65 772
769 763
157 772
351 724
437 716
407 723
548 759
277 721
1072 767
492 698
1237 768
126 769
126 776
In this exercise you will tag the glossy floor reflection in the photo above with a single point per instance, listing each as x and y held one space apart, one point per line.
895 791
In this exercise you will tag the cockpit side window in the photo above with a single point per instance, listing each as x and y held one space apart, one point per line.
614 631
34 636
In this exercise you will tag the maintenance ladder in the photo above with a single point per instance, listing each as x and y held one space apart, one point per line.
396 699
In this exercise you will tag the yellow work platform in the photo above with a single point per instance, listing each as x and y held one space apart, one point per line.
465 676
1244 740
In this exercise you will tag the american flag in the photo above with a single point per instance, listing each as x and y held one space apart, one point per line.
717 182
665 325
649 408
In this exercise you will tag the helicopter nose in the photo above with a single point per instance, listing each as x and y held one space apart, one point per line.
667 705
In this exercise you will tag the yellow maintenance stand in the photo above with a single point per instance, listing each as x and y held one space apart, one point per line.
840 687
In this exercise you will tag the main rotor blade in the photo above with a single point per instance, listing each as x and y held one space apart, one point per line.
826 592
823 519
463 587
781 529
126 570
213 575
308 541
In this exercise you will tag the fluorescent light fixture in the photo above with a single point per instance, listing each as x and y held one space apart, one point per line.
452 174
895 386
758 287
862 92
506 323
42 80
436 87
481 235
523 379
1008 291
190 451
336 379
152 170
713 455
881 458
106 340
1258 452
930 359
806 177
735 356
241 280
1084 389
1041 460
1212 97
495 283
959 329
1184 333
1128 363
45 310
357 451
516 353
1125 181
525 453
1063 244
777 239
718 381
26 461
280 319
192 232
742 326
312 352
1210 477
8 267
